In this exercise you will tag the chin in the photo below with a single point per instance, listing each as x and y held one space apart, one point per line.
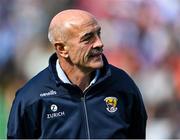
97 65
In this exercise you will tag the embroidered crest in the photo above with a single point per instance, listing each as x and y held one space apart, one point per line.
111 103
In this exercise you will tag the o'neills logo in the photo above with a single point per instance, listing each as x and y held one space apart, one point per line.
52 92
54 115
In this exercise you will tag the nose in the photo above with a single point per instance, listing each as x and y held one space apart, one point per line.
98 42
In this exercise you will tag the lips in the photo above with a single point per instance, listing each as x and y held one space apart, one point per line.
96 54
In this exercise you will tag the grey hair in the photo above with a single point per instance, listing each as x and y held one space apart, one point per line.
50 37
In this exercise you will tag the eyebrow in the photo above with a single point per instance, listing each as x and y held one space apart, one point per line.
89 33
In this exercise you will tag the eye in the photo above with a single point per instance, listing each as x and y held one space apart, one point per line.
88 37
99 33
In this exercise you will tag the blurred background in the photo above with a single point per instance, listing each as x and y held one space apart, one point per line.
140 36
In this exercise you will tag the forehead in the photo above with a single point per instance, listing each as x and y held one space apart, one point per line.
84 26
90 26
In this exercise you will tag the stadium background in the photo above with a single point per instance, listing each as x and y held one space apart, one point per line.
140 36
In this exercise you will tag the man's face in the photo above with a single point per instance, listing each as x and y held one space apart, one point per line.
85 45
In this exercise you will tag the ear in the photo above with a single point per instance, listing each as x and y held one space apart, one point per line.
61 49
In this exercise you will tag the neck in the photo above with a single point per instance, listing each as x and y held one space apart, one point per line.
78 78
76 75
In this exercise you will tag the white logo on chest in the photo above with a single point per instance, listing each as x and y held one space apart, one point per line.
54 108
50 93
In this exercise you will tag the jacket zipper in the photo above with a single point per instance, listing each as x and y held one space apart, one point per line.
83 99
86 116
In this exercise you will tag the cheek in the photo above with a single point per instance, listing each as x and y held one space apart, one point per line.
74 55
85 51
79 54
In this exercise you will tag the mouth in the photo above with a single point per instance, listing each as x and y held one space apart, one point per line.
96 53
95 58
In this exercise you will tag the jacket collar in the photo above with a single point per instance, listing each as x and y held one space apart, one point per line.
104 72
65 79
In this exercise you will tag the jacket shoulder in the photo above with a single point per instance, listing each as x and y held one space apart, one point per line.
122 80
32 89
119 74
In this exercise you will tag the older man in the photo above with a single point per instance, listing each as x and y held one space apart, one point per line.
79 95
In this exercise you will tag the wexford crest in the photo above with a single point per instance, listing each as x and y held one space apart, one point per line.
111 103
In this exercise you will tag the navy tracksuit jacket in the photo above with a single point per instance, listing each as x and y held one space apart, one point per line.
48 108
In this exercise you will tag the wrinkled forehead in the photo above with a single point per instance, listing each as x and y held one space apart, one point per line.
83 25
90 27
